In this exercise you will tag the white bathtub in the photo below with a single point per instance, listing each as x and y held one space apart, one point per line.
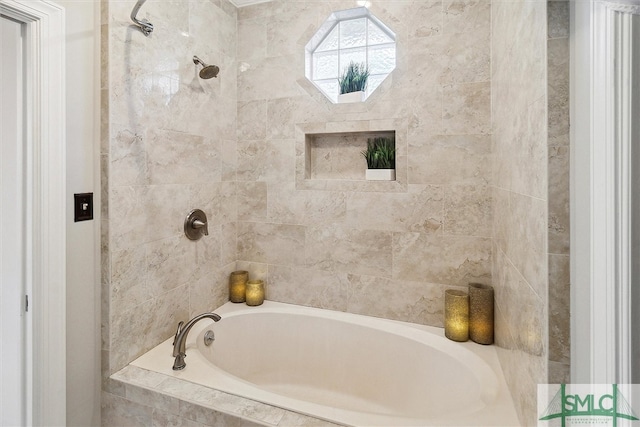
345 368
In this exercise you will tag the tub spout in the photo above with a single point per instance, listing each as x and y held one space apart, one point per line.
179 362
179 351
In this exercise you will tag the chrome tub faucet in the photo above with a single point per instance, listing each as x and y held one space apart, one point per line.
180 339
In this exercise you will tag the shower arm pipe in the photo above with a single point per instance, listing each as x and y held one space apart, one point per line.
145 26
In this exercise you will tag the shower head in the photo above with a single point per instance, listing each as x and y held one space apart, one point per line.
208 71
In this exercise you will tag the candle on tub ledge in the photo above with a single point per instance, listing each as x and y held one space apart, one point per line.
481 313
255 292
456 315
238 285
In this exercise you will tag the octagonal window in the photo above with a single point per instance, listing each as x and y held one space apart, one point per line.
353 36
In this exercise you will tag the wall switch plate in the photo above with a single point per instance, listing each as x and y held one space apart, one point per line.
82 207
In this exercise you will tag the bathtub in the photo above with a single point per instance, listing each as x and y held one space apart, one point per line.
345 368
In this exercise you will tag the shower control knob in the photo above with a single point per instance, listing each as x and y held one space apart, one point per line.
195 225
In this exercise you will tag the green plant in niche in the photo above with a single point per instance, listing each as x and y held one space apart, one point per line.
354 78
380 153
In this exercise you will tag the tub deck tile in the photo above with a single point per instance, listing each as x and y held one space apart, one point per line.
210 417
220 401
166 419
186 391
293 419
172 401
151 398
139 376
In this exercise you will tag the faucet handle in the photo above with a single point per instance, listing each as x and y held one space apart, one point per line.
195 225
201 224
175 337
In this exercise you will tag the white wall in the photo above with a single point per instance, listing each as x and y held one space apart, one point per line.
83 285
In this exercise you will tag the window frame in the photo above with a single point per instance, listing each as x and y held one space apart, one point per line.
326 30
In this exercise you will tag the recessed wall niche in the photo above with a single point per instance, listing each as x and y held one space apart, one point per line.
338 155
350 36
329 156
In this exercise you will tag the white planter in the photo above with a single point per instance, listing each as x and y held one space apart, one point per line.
381 175
346 98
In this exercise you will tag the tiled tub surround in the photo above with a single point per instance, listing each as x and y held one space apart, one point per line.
168 146
520 197
350 369
559 251
386 249
469 202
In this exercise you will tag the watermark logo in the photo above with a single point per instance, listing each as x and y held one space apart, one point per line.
587 404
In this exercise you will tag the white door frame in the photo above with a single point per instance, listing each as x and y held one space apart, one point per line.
12 292
45 222
601 175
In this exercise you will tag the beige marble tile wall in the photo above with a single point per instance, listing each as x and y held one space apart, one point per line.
168 147
559 280
520 195
385 250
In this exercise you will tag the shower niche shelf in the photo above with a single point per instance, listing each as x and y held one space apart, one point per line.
334 161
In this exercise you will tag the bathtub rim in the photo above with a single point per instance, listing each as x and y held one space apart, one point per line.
411 331
486 354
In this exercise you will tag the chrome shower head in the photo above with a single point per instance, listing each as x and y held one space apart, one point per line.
208 71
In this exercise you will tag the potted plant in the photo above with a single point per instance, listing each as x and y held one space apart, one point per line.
353 83
381 159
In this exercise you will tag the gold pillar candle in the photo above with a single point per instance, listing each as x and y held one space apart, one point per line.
481 313
238 285
456 315
255 292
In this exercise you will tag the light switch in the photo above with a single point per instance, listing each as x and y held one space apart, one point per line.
83 206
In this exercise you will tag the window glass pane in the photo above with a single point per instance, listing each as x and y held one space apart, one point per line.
376 35
382 58
325 65
353 33
374 81
329 87
357 55
330 42
350 36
